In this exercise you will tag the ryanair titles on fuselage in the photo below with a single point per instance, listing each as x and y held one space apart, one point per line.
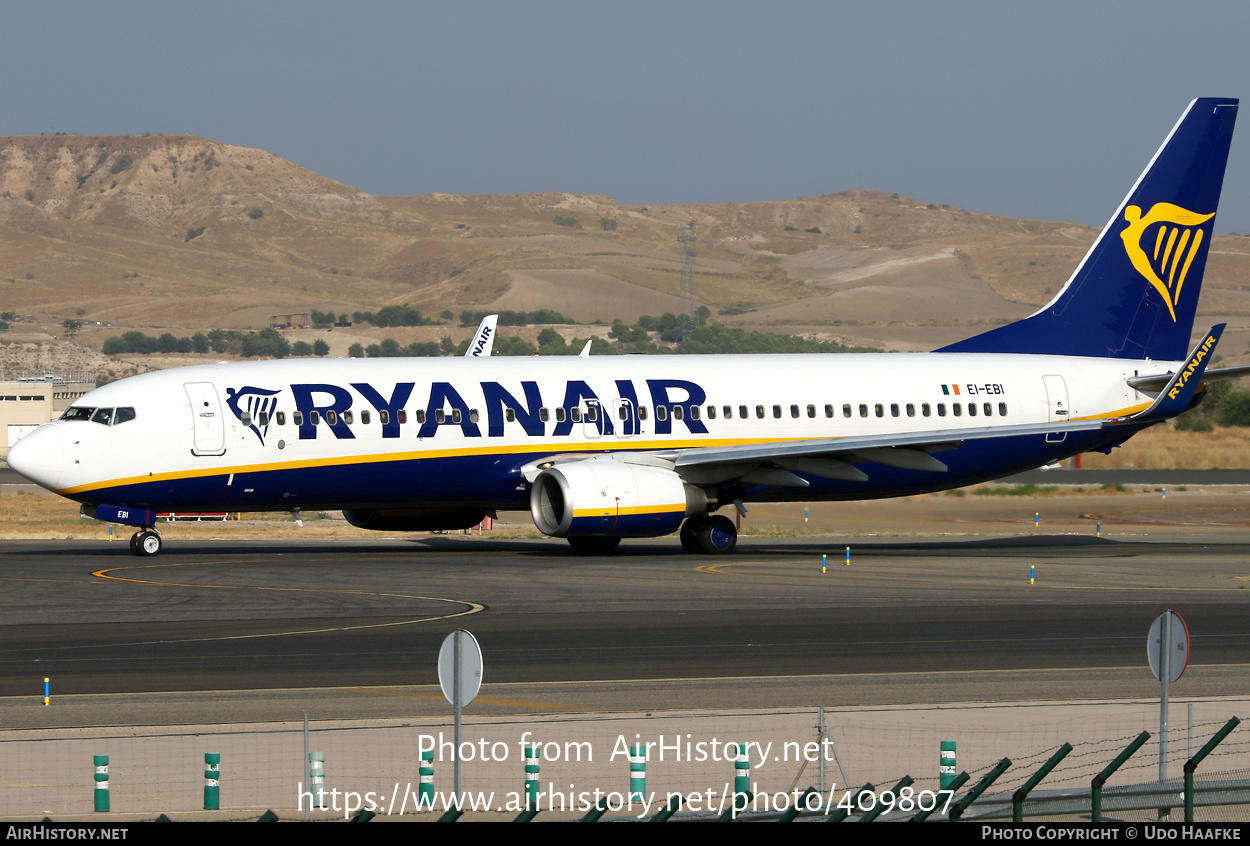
446 404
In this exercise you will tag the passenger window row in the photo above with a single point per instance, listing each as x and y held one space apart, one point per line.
662 412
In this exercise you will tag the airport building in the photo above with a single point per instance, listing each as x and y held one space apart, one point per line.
28 400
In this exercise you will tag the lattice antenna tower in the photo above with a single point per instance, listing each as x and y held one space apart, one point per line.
689 241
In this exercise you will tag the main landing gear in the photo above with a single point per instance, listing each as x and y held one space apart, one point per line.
709 534
145 543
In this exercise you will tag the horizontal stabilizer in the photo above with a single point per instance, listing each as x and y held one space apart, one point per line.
1159 381
1178 395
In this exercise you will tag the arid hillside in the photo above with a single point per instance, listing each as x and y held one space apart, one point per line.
180 234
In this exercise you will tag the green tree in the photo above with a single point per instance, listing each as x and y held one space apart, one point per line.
267 343
320 348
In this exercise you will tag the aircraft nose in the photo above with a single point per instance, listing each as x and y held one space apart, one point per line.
39 456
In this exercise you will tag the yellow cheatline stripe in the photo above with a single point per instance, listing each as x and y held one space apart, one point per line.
608 511
1110 415
537 451
472 607
485 700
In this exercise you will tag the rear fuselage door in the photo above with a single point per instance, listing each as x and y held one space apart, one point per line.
209 426
1057 404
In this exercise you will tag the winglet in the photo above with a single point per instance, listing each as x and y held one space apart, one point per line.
484 339
1179 393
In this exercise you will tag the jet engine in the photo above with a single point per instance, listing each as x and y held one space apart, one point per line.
613 499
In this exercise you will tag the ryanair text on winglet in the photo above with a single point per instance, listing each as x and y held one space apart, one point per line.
1194 361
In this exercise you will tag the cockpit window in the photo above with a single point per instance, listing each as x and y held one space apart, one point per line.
103 416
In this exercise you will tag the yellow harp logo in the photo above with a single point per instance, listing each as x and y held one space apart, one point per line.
1176 242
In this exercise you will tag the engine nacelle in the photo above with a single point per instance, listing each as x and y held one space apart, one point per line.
413 519
609 498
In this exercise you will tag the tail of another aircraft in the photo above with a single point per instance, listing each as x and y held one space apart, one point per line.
1135 293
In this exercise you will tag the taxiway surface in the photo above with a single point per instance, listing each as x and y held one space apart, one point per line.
354 627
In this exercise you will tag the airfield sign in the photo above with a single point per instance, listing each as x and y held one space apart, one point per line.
1167 646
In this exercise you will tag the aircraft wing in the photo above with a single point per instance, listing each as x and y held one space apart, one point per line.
836 458
1159 381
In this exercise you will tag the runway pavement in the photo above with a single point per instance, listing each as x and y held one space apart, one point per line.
260 630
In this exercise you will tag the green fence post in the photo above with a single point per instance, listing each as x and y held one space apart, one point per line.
1192 764
317 779
799 805
731 813
954 786
637 773
975 793
843 813
531 777
878 809
946 764
742 771
1095 786
101 782
673 806
600 808
425 793
212 785
1017 798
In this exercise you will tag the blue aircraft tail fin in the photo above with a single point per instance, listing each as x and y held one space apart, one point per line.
1135 293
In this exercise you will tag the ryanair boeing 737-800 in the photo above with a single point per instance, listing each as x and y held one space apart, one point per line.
599 449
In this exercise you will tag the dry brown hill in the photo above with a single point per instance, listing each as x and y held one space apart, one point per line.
181 233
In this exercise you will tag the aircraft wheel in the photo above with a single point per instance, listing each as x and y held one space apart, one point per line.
594 545
149 543
690 532
717 536
134 544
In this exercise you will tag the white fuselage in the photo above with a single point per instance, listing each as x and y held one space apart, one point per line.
459 430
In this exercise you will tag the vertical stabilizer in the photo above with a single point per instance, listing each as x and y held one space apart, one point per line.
1135 293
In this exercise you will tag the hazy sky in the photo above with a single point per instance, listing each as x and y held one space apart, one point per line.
1043 110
